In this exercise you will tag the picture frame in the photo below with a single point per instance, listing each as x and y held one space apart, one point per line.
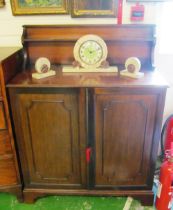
2 3
143 1
36 7
96 8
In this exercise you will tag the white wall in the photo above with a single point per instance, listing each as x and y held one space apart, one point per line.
164 51
11 26
164 62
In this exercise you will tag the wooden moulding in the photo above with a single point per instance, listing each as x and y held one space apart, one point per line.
145 197
57 42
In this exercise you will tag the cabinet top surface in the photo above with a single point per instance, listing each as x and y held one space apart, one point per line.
24 79
5 52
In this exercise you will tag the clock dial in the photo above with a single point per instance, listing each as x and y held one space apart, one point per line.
90 51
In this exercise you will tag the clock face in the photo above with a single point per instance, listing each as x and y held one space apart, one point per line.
90 51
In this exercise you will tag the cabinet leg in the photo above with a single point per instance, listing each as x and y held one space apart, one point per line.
14 190
145 200
19 196
31 197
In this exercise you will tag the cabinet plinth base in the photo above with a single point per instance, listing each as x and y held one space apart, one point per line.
15 190
144 196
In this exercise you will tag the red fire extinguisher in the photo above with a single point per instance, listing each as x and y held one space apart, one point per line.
164 198
169 133
167 136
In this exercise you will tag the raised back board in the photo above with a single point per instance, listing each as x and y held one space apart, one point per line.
57 42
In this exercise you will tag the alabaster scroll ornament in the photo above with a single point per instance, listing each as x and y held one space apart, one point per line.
133 66
42 67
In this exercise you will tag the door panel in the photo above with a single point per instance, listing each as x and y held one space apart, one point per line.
50 129
124 125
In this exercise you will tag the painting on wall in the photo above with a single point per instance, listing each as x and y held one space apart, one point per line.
2 3
148 1
31 7
96 8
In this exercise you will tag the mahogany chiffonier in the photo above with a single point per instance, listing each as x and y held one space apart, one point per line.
114 120
9 173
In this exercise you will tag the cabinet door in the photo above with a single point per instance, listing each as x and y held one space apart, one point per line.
124 129
48 134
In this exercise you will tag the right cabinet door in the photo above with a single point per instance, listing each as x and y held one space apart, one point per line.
124 125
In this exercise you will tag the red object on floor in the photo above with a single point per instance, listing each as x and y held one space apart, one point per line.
169 134
165 188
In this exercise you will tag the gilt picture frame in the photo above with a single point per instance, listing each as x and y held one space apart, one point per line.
36 7
96 8
148 1
2 3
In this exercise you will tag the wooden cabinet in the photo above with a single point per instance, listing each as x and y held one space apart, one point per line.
9 174
87 134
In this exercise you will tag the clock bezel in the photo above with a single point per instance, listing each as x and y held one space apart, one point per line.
87 38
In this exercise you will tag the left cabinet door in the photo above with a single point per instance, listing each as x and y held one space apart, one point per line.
48 135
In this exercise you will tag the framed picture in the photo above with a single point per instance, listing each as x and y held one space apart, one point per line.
33 7
2 3
148 1
94 8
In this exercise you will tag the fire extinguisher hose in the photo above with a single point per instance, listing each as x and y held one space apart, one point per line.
162 140
162 137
